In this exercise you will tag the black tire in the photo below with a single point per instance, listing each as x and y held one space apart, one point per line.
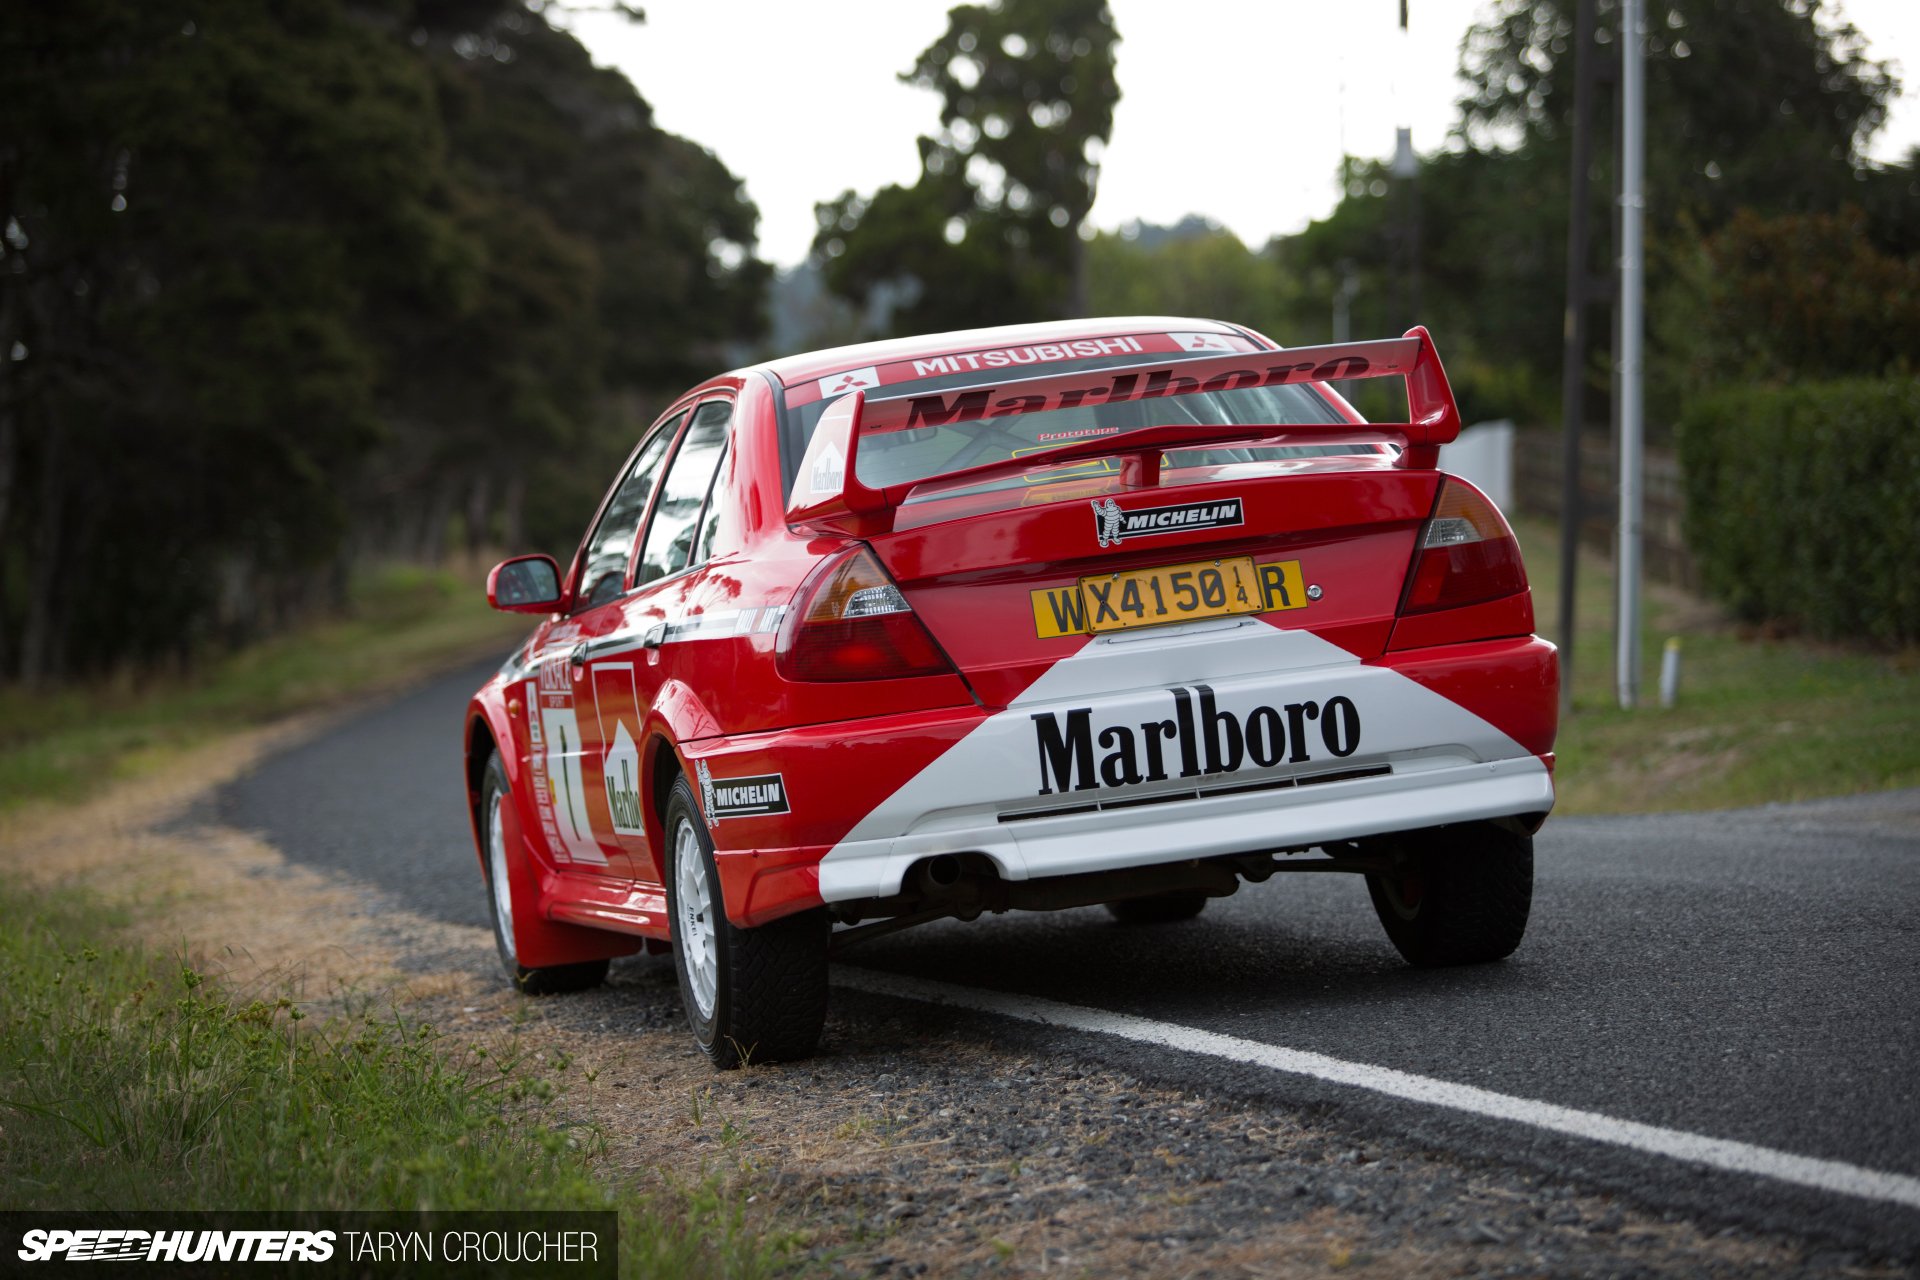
1458 894
768 997
556 979
1159 908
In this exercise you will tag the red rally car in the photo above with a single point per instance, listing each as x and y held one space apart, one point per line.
1118 611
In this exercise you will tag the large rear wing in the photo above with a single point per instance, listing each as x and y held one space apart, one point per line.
828 484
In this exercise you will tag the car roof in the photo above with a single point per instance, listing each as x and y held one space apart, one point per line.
818 364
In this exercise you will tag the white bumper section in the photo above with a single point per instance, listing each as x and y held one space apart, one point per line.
1191 742
1144 835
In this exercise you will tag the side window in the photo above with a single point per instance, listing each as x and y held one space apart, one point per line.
710 540
603 572
669 545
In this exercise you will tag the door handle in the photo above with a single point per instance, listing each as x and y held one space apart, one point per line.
578 657
655 636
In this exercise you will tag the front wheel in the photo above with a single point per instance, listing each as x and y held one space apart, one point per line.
752 995
549 980
1456 895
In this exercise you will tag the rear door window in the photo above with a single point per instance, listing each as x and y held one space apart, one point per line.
671 534
603 569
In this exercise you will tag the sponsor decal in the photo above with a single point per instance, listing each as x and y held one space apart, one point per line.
746 797
829 473
839 384
1040 353
706 792
1199 739
616 705
1053 492
1205 342
939 410
621 775
1114 524
1084 433
567 786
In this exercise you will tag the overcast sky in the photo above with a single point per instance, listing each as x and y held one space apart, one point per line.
1236 109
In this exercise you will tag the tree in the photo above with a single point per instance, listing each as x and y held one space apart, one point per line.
991 230
1759 105
1773 301
1195 268
283 282
616 265
201 213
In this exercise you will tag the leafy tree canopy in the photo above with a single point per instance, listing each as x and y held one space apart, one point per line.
1750 103
284 283
991 230
1762 105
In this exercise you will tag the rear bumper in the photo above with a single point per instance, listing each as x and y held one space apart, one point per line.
1142 835
1062 781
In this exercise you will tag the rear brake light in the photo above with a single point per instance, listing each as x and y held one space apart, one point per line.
850 622
1467 554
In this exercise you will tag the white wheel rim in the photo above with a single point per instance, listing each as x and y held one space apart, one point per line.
693 906
497 872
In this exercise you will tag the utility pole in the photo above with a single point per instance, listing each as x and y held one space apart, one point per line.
1343 296
1633 157
1405 169
1574 334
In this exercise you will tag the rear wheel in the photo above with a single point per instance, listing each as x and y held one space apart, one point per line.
555 979
752 995
1456 895
1159 908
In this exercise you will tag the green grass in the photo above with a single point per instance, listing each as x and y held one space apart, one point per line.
1758 718
135 1083
64 744
128 1081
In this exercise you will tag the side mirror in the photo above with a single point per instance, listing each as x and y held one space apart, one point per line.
525 584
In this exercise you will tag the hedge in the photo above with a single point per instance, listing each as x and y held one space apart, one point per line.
1803 504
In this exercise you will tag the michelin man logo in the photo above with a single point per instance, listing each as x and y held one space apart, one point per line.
706 793
1106 519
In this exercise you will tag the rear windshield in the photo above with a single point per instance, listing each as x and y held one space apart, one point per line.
900 457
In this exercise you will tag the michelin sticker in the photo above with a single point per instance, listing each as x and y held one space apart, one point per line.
748 797
1113 524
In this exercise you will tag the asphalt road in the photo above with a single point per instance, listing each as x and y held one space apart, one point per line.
1750 975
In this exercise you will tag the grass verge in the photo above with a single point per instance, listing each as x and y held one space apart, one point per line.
130 1081
137 1084
1758 718
402 621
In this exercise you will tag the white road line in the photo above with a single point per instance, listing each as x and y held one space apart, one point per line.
1716 1153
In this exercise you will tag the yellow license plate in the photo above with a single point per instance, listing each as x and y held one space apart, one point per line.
1168 593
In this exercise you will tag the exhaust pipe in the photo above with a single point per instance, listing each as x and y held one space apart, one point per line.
938 873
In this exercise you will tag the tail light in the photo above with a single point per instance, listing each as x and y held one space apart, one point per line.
1467 554
850 622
